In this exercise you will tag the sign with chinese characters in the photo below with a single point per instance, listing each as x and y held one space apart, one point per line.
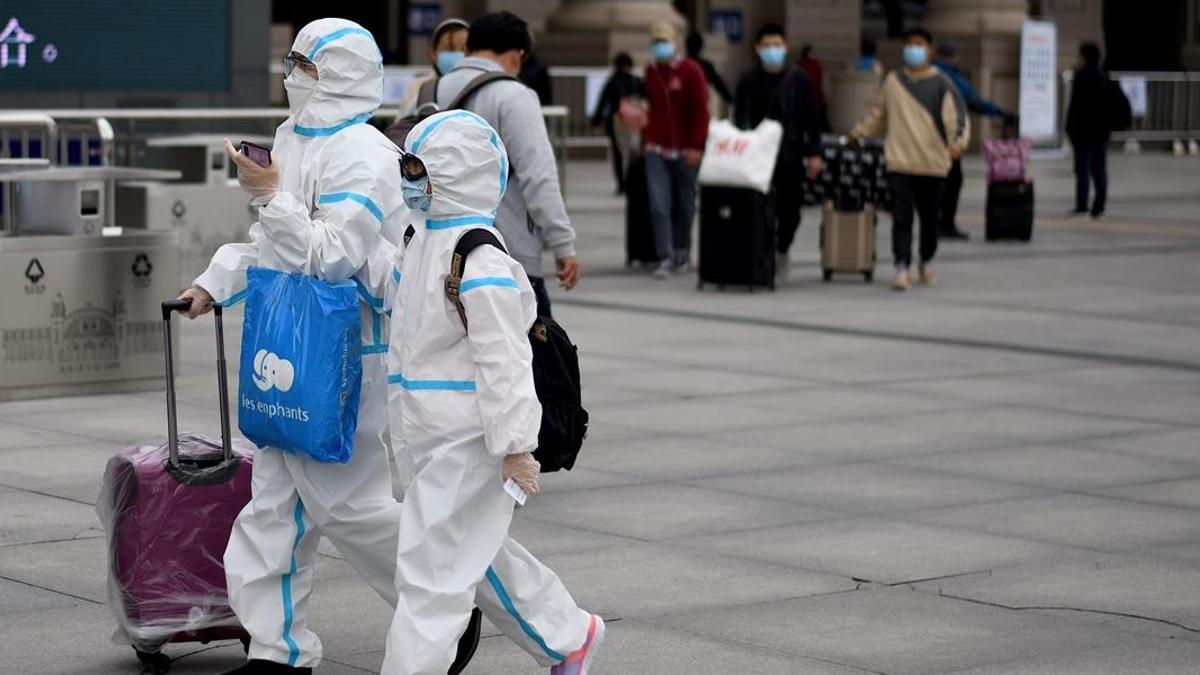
1039 81
727 22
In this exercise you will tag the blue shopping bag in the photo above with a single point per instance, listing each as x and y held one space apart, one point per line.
301 365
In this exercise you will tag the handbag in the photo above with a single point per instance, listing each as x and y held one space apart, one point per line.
741 159
301 364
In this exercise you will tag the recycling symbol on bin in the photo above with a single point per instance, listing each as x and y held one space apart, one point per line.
142 266
178 209
34 271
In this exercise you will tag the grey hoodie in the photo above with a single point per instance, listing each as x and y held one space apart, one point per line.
532 212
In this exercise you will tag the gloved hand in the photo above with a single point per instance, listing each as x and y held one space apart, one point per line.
260 181
523 469
202 301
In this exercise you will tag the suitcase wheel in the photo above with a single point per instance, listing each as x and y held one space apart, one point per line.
826 275
157 662
869 276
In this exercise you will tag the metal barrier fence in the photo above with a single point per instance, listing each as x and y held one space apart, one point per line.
1166 107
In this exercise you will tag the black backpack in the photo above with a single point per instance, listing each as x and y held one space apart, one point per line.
427 103
555 369
1117 107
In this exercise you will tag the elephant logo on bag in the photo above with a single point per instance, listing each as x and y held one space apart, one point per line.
272 371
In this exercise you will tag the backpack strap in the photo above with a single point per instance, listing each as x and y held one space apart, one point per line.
470 241
480 81
427 96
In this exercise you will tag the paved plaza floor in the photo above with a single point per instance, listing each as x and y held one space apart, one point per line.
1000 474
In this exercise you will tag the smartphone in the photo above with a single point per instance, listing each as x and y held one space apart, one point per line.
260 155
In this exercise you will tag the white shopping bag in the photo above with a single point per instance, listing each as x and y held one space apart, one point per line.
744 159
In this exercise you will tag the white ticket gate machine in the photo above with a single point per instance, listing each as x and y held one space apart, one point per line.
205 205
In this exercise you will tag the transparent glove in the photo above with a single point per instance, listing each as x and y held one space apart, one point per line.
260 181
202 302
523 469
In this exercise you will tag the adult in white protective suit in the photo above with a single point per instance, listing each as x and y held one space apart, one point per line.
463 406
328 205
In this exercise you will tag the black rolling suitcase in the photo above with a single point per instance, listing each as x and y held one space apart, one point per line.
1009 211
639 231
737 237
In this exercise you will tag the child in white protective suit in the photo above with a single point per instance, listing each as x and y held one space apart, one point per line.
463 408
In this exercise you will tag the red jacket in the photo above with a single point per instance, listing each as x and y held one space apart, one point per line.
678 97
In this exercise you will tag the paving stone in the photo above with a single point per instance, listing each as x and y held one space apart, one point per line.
30 517
893 488
895 631
1138 585
1128 657
1180 444
680 457
665 510
1061 467
1183 493
1077 520
876 549
641 580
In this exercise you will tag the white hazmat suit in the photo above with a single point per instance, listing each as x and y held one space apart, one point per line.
459 403
336 208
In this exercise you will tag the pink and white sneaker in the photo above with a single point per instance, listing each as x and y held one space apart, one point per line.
581 659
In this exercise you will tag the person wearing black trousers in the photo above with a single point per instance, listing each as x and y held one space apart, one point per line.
947 62
621 85
1089 130
776 90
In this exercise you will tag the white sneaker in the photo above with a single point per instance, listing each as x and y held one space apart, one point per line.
663 271
783 267
901 282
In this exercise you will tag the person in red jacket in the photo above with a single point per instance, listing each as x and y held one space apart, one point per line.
676 130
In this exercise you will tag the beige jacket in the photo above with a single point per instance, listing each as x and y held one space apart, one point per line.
920 118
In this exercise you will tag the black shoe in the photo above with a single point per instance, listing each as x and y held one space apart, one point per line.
953 233
468 642
264 667
1097 215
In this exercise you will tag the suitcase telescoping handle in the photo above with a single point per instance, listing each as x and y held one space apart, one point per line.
182 305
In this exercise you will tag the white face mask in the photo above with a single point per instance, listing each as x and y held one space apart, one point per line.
299 87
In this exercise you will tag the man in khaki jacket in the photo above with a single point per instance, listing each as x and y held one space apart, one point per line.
923 120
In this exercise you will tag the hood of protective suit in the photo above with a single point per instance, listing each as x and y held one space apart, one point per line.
466 162
349 88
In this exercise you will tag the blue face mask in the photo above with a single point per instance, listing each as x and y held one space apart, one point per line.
447 60
915 55
772 57
416 193
662 50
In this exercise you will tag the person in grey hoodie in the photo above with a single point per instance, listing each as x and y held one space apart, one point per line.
532 214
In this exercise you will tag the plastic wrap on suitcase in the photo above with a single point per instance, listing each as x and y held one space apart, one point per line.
167 528
167 511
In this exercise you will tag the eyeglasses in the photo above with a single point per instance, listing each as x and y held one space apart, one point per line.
297 60
411 167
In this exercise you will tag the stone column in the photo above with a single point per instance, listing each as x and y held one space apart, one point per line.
975 17
988 35
590 32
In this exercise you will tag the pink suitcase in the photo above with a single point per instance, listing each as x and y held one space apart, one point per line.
168 511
